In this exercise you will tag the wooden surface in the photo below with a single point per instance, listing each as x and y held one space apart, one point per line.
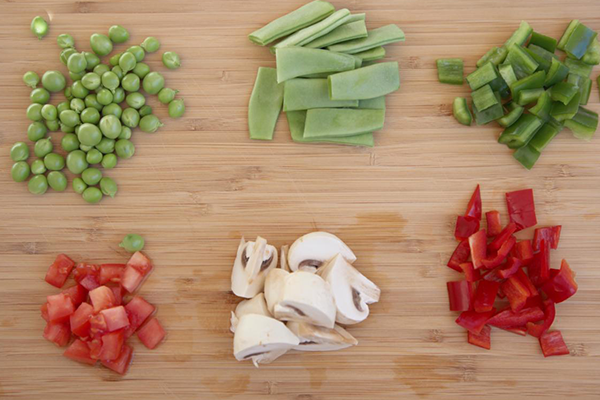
197 185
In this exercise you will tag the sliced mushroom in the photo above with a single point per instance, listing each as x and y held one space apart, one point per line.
306 297
253 262
313 250
256 305
262 339
351 289
284 252
318 338
274 287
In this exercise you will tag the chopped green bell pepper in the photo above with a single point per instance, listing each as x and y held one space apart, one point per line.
496 56
493 113
519 133
544 136
579 41
527 156
542 56
514 113
520 36
508 73
565 37
482 76
461 111
450 70
526 97
592 56
563 112
584 84
534 81
523 64
557 73
543 107
583 124
484 98
563 92
579 67
543 41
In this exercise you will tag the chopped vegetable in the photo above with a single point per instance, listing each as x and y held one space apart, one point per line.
365 83
527 156
471 274
523 251
461 254
522 62
550 234
562 286
482 76
474 206
494 226
526 97
265 104
474 321
553 344
520 36
495 56
562 112
151 334
491 114
501 254
460 110
483 339
515 112
450 70
349 31
502 237
518 134
579 41
563 92
79 351
377 37
484 98
578 67
477 244
557 73
341 122
485 296
521 208
583 124
514 319
549 315
465 227
59 271
543 41
544 136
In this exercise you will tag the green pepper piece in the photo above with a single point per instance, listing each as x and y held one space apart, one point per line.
482 76
519 133
523 64
579 67
342 122
592 56
265 104
450 70
563 92
508 73
520 36
583 124
496 56
527 156
460 110
544 136
484 98
543 107
579 41
350 31
293 62
534 81
584 84
529 96
304 94
567 34
543 41
562 112
557 73
515 112
491 114
297 120
542 56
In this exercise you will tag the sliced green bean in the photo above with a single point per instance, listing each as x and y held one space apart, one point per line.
365 83
376 53
378 103
350 31
297 120
304 94
293 62
341 122
265 104
377 37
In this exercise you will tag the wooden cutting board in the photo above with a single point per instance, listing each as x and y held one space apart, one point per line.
199 184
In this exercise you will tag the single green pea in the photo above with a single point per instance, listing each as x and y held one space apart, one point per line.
19 151
118 34
76 162
78 185
127 62
69 118
49 112
132 243
66 53
166 95
65 40
104 97
130 117
131 82
141 70
53 81
36 131
118 71
54 162
40 96
76 76
69 142
34 112
110 126
39 27
79 90
171 60
90 116
100 69
114 60
92 195
89 135
145 110
77 105
110 80
91 60
135 100
63 106
38 167
38 184
67 129
20 171
91 81
68 93
176 108
138 52
76 63
125 132
109 161
76 129
31 79
108 186
85 148
91 176
91 101
42 147
93 156
153 83
53 125
119 95
124 148
112 109
106 145
150 123
150 44
101 44
57 181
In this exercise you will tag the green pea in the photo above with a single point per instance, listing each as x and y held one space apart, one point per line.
118 34
19 151
79 90
109 161
54 161
114 60
38 184
131 82
125 132
49 112
153 83
69 118
78 185
135 100
141 70
110 126
38 167
65 40
85 148
91 81
106 145
145 110
77 105
150 123
118 71
68 93
91 60
101 44
150 44
138 52
20 171
112 109
91 176
108 186
176 108
130 117
91 101
36 131
53 125
40 96
53 81
76 76
110 80
104 97
94 156
76 162
42 147
34 112
57 181
119 95
69 142
132 243
39 27
127 62
124 148
31 79
92 195
89 135
171 60
66 129
63 106
100 69
90 116
66 53
166 95
76 63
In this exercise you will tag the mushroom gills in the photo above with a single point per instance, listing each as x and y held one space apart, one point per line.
311 251
317 338
256 305
253 262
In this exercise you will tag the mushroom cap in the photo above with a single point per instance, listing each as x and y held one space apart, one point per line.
253 262
274 287
316 248
256 305
318 338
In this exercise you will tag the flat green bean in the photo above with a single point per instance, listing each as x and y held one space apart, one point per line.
304 94
350 31
377 37
265 104
293 62
297 120
376 53
342 122
365 83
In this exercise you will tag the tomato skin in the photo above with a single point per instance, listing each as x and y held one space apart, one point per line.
79 351
151 334
112 344
57 333
60 307
77 294
132 279
87 275
121 364
138 310
59 271
116 318
80 320
110 273
102 298
140 262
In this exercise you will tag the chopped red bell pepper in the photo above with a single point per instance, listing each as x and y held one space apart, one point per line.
483 339
523 251
502 237
501 294
471 274
485 295
465 227
494 275
550 314
516 292
521 331
460 294
562 286
474 207
477 244
539 269
510 319
553 344
500 255
534 301
494 225
522 276
521 208
474 321
461 254
510 268
550 233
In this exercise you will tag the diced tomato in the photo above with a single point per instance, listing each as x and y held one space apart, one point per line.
502 237
111 273
516 292
461 254
151 334
510 268
116 318
80 320
112 343
132 278
485 295
60 307
101 298
465 227
550 234
483 339
471 274
523 251
138 310
460 294
510 319
44 310
118 293
553 344
79 351
98 325
87 275
140 262
59 271
57 333
474 321
494 225
77 294
562 286
521 208
95 346
474 206
500 256
121 364
477 244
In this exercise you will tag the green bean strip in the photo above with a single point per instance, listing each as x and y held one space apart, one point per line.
265 104
342 122
297 120
293 62
377 37
353 30
376 53
378 103
304 94
365 83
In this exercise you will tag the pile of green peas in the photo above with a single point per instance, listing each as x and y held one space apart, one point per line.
102 107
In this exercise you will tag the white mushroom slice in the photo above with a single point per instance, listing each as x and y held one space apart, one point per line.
313 250
256 305
317 338
262 339
306 298
284 252
253 262
274 287
351 289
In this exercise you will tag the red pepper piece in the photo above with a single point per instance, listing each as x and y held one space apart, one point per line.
562 286
465 227
550 314
474 207
483 339
510 319
550 234
553 344
474 321
539 269
501 294
460 294
522 276
535 301
521 331
471 274
485 295
502 237
523 251
510 268
461 254
516 292
521 208
477 244
499 257
494 275
494 226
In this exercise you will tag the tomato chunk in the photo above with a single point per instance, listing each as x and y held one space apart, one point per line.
132 279
140 262
77 294
59 271
57 333
101 298
80 320
87 275
79 351
110 273
112 343
44 311
118 293
477 243
116 318
521 208
138 310
553 344
60 307
151 334
95 348
483 339
98 325
121 364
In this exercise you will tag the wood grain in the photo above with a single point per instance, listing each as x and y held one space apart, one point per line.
199 184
